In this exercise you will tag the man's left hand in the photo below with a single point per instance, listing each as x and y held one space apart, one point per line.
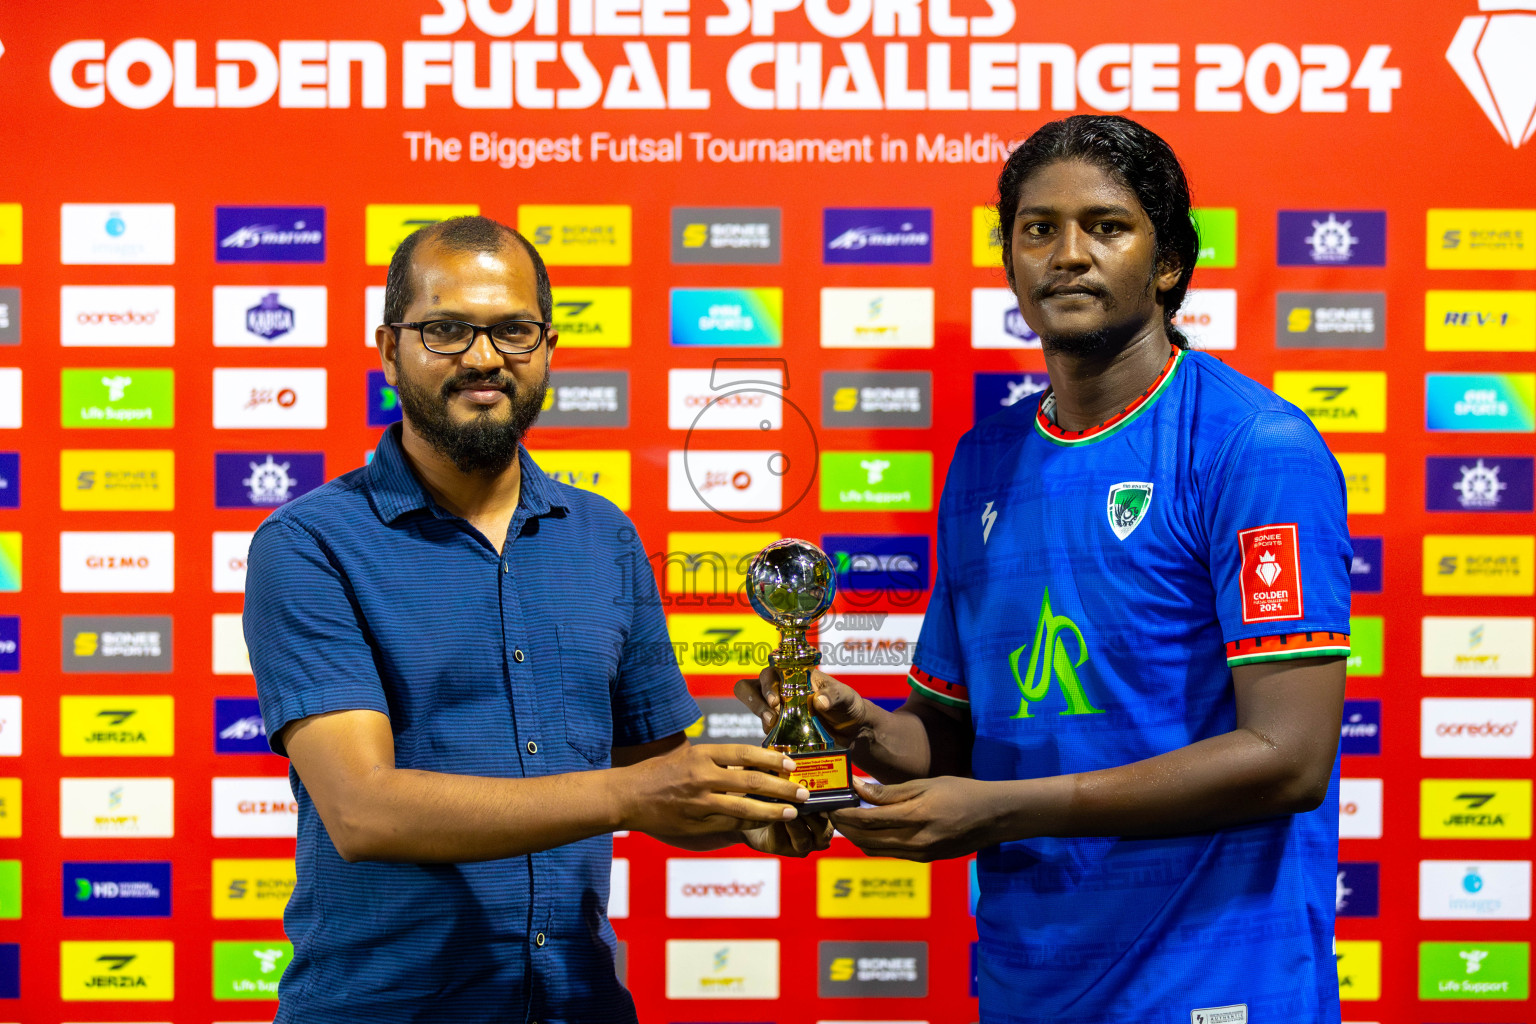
925 819
796 838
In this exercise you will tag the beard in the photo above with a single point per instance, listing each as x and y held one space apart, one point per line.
484 445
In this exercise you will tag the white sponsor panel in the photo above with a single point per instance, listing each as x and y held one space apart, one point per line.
254 807
107 233
733 399
722 887
868 643
117 562
230 548
618 889
877 318
1474 890
10 726
230 657
1475 727
996 321
730 481
1208 318
722 968
373 313
269 398
269 316
10 398
117 316
117 807
1477 645
1359 808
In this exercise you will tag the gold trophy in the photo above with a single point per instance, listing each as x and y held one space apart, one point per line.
790 584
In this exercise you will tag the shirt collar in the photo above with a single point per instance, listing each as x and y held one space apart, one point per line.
396 491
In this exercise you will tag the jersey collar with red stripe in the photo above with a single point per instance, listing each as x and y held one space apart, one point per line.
1045 421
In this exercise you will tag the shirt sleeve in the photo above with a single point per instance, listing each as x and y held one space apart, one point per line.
651 699
937 669
308 646
1279 542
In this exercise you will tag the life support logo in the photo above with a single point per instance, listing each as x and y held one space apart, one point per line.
1491 54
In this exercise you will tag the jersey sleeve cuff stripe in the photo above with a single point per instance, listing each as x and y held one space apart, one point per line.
1287 646
938 689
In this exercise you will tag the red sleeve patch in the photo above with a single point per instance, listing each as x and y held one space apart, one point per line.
1271 574
942 689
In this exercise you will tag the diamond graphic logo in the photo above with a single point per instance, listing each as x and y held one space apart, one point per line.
1268 569
1492 54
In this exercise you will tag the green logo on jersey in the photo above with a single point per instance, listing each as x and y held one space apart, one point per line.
1128 504
1049 659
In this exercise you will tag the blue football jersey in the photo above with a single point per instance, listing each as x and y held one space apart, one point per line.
1093 590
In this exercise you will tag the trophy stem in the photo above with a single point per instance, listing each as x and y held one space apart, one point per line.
796 731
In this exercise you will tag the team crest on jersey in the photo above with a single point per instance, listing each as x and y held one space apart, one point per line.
1128 503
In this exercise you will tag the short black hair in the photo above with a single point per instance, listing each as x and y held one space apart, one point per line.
458 234
1136 157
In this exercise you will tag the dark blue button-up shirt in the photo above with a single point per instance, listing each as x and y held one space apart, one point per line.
365 594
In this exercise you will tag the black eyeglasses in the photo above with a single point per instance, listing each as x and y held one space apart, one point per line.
450 337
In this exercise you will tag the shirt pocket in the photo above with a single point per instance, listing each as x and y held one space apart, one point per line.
589 667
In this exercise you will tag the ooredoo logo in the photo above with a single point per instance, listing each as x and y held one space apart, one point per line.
118 316
722 887
1476 727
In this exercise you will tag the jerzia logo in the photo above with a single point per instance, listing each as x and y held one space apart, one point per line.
1049 658
1491 55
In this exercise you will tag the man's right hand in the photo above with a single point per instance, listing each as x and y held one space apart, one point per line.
698 789
838 706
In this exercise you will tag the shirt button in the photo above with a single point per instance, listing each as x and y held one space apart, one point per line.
517 655
533 748
538 940
505 567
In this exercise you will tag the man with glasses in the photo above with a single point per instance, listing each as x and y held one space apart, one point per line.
468 669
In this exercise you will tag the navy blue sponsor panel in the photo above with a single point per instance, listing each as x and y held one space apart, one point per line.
10 479
1478 483
995 392
117 888
877 235
383 402
1332 238
264 479
10 643
1358 890
269 234
1360 732
10 970
238 727
1365 565
865 562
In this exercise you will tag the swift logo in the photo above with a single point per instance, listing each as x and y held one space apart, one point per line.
988 517
1048 659
1490 53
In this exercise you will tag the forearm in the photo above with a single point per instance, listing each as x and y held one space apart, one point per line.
1226 780
425 817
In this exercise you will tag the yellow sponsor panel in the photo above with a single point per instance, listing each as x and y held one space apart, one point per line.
1480 240
1480 321
601 471
593 317
1352 402
10 232
1475 808
578 236
388 224
1359 965
117 726
10 808
1482 565
116 971
1365 481
710 563
729 644
872 887
117 480
986 238
251 890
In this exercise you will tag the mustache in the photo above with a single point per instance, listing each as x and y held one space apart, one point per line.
496 379
1040 291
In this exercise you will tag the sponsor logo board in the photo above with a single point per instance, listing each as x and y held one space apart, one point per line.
722 887
252 889
10 808
1208 318
117 889
877 398
896 481
1357 889
877 318
1365 481
868 643
578 236
1475 645
117 480
722 968
875 235
1479 565
10 725
1480 321
117 316
1354 320
113 397
725 720
10 474
230 657
117 726
269 234
1365 565
994 392
725 399
1360 733
373 314
383 400
117 643
618 890
10 315
1360 808
10 643
1475 808
867 562
108 233
386 225
1332 238
731 644
1474 970
604 472
725 234
1480 890
1500 403
986 238
592 317
856 887
10 398
117 563
586 398
752 317
231 550
1359 966
1345 402
1217 229
249 970
274 398
254 807
238 727
10 561
1365 646
112 807
117 971
264 479
1480 239
699 564
1478 483
10 233
1475 727
724 481
871 970
269 316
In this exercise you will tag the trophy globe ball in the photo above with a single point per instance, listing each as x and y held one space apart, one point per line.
790 583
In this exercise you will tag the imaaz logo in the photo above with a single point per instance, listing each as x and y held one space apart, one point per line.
1475 808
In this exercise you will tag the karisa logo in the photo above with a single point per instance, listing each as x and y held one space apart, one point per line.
1491 54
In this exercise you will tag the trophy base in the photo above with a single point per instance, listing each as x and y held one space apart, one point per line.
825 773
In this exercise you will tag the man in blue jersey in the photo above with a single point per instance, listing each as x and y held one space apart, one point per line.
1127 692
